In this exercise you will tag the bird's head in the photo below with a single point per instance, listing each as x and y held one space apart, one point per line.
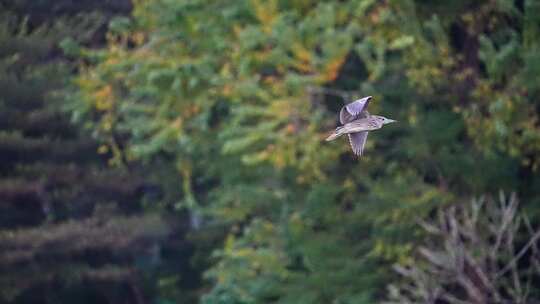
383 119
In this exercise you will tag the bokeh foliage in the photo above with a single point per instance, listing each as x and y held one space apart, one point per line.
238 96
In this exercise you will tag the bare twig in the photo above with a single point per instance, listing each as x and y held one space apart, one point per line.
460 262
523 250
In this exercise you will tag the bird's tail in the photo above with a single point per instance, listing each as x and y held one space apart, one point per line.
337 133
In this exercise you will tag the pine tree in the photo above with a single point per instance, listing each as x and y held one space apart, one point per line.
72 228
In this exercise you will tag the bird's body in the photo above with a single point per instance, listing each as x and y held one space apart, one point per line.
357 122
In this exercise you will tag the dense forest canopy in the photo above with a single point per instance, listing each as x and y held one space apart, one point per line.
73 229
218 111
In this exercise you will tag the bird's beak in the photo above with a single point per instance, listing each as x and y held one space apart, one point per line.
391 121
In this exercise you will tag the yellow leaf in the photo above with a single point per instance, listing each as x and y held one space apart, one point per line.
303 67
332 68
103 149
266 13
301 53
138 38
104 98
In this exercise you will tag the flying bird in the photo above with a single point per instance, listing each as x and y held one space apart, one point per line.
357 122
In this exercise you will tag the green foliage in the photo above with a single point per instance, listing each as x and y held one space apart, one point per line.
237 96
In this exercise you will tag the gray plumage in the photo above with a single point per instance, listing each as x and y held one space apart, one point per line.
357 122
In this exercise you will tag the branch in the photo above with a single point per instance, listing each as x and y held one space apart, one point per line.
531 242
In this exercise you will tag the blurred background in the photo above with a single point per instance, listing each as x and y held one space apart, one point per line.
172 151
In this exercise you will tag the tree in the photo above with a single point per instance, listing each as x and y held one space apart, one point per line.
238 97
471 256
72 228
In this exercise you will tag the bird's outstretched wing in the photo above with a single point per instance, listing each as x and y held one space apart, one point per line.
358 141
354 110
